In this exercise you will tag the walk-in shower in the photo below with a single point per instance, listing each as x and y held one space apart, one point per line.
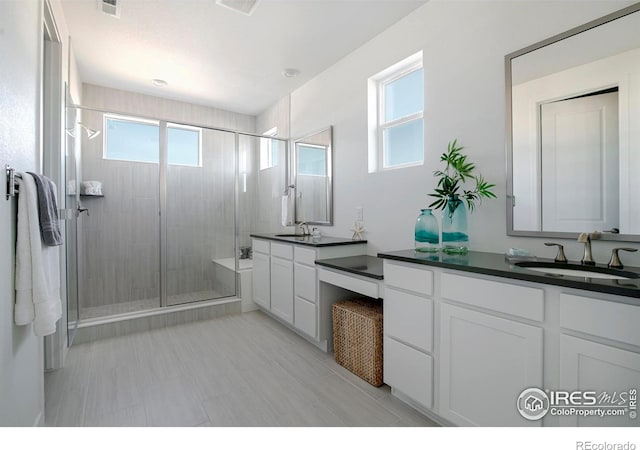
176 202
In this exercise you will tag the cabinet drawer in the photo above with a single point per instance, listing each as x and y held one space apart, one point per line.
305 316
410 278
508 298
409 318
611 320
350 282
261 246
305 282
282 250
305 256
409 371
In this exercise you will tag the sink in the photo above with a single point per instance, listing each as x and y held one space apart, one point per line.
575 270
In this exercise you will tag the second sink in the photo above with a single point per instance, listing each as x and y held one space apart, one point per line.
575 270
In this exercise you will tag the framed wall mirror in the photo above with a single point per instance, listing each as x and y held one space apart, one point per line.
312 175
573 132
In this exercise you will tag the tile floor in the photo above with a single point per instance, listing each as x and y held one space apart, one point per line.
238 370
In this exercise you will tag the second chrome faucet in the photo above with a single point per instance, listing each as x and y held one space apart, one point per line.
587 257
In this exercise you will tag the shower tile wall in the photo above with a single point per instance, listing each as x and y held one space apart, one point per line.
120 238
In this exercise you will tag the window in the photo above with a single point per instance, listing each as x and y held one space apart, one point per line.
184 145
134 139
396 126
269 149
312 160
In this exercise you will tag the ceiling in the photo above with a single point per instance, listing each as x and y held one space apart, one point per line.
214 56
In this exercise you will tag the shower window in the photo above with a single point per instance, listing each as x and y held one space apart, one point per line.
268 154
134 139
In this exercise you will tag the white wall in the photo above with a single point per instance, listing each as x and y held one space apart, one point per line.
21 353
464 45
21 358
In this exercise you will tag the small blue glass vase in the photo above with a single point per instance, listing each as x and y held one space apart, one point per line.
455 234
427 233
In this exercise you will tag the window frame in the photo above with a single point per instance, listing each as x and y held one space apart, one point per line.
140 120
377 106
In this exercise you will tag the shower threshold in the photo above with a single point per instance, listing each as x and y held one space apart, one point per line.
114 309
132 322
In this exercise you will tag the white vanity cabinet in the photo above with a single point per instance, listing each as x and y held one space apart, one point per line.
485 363
461 346
600 359
306 292
408 331
285 283
261 278
282 281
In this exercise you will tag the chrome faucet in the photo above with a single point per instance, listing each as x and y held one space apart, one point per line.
303 228
614 262
586 238
560 257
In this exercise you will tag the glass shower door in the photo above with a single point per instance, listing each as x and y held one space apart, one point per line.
71 204
200 214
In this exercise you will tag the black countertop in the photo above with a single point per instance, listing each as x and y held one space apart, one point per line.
495 264
322 241
365 265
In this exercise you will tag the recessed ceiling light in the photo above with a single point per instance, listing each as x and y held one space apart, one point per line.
290 73
159 82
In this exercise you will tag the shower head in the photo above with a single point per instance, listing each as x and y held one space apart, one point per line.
91 133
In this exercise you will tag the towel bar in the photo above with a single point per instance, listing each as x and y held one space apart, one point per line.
11 181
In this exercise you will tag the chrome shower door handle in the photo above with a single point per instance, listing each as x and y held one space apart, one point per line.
81 210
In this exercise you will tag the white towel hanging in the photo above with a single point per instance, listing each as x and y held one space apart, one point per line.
37 278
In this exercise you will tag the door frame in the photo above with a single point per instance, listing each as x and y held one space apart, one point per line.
51 159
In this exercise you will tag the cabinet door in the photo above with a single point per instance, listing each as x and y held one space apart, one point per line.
305 282
590 366
400 311
261 280
305 316
282 288
485 363
409 371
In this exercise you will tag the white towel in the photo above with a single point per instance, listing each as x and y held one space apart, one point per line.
37 267
287 209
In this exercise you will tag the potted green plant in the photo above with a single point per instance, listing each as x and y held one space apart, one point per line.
452 193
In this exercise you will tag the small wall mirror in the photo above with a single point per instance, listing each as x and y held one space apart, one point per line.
573 132
312 177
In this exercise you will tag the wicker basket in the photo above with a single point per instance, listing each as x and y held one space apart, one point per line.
357 338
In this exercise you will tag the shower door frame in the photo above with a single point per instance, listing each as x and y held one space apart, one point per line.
162 192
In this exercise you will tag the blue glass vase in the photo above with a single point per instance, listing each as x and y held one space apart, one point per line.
455 234
427 233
